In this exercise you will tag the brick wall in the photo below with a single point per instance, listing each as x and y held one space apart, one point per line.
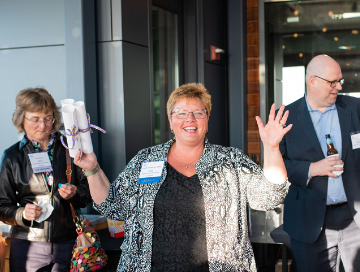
253 96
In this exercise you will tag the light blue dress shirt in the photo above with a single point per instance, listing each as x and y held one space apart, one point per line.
328 123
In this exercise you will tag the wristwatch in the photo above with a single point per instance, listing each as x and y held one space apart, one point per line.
91 172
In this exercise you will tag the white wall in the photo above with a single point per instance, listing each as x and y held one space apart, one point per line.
32 54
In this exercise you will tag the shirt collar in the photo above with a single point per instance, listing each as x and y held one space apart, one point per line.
332 107
23 142
25 139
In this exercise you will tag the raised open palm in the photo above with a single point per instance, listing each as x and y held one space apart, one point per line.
275 129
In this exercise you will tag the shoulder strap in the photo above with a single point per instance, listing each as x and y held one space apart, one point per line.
68 166
68 176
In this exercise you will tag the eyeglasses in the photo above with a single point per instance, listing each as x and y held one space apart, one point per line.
184 114
37 121
334 83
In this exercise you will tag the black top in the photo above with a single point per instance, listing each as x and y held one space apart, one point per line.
179 237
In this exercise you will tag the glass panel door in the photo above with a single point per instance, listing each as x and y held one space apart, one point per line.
297 31
165 67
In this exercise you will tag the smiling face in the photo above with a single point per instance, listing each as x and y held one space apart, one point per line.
320 94
39 132
189 131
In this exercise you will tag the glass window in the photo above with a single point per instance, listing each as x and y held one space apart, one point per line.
296 31
165 67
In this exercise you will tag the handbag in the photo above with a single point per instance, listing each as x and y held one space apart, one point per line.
87 254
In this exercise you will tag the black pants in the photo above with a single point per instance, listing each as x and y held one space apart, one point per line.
40 256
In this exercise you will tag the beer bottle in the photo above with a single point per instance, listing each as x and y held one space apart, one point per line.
330 146
331 151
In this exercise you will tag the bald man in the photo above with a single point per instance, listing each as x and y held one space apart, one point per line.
322 209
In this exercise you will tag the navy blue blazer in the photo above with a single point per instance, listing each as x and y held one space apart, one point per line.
305 205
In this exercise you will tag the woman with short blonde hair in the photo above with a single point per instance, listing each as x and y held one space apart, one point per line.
191 90
185 201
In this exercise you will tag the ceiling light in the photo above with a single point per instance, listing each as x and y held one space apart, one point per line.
354 31
336 39
346 47
324 29
345 15
348 15
292 19
293 35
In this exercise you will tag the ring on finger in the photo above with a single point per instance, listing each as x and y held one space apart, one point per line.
283 125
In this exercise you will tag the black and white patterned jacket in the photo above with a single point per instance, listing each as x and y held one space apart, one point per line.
229 180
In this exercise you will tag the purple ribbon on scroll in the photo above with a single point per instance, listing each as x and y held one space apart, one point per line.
91 126
73 133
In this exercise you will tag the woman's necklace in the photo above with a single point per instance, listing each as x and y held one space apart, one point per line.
186 164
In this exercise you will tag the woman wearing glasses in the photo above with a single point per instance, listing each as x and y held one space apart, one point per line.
184 202
28 179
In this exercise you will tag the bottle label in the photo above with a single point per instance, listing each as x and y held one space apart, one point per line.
328 141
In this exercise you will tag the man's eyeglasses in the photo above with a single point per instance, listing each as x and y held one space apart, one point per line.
334 83
37 121
184 114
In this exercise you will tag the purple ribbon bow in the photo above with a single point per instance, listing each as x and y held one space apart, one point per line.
73 133
91 126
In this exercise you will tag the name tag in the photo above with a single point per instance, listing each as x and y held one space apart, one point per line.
40 162
355 139
151 171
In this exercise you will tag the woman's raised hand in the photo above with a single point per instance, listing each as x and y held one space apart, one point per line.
85 161
272 133
99 185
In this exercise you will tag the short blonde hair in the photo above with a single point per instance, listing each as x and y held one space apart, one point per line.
189 90
35 100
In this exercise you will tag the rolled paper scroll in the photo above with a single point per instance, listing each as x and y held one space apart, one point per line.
68 101
71 129
85 138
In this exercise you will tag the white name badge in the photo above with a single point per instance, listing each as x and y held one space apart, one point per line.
40 162
355 139
151 171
